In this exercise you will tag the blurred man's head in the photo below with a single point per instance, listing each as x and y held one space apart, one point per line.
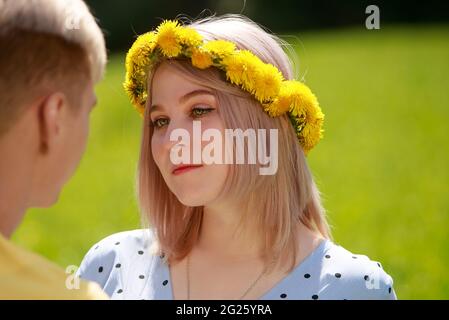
52 53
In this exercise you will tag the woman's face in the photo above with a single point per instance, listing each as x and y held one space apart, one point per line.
175 104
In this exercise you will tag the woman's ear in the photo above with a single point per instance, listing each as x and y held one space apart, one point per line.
50 113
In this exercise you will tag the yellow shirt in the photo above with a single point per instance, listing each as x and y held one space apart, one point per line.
25 275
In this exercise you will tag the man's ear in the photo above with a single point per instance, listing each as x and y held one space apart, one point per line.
50 112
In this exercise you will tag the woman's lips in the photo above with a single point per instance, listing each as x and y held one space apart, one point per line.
181 169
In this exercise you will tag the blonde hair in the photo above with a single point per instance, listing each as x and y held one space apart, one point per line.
275 203
46 44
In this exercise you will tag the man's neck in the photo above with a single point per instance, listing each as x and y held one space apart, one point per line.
9 223
11 213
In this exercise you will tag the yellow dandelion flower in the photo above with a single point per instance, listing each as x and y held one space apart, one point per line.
142 48
189 36
128 85
311 134
251 65
201 59
146 41
282 105
234 68
274 108
129 64
167 38
282 102
303 100
285 97
268 82
140 59
221 48
307 114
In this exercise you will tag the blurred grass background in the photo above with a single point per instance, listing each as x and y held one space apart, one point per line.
382 166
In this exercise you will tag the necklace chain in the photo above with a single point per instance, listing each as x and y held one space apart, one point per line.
244 294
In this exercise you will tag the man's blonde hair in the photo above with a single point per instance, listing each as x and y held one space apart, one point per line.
46 45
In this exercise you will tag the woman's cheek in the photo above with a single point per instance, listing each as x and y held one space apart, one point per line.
156 148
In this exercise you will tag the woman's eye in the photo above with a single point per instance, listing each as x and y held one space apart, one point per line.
198 112
159 123
194 113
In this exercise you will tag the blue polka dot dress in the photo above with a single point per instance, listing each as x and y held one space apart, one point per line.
126 267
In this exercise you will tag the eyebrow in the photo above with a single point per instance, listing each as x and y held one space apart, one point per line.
184 98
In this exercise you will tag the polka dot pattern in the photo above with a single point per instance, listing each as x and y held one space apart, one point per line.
145 276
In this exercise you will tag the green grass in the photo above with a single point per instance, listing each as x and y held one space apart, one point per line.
382 166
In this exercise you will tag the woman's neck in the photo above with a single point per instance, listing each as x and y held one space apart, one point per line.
218 236
218 233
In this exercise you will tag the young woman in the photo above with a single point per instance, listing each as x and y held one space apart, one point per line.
223 229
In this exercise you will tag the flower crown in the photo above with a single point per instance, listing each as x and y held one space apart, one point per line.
244 69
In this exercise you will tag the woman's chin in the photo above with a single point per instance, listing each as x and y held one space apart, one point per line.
192 197
191 201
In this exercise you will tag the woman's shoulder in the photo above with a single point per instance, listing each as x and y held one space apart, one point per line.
107 259
137 237
130 243
346 275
